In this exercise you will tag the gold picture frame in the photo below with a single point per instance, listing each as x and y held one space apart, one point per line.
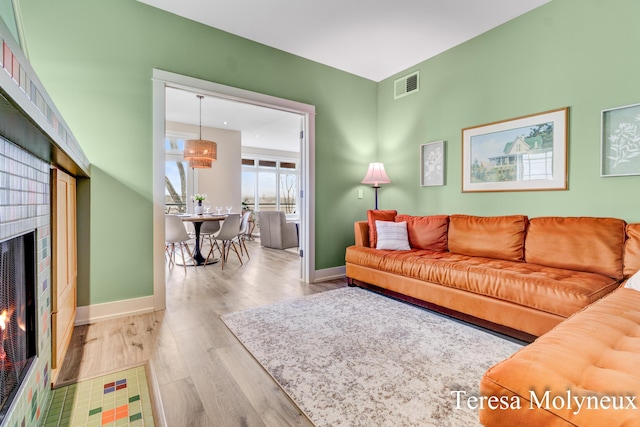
527 153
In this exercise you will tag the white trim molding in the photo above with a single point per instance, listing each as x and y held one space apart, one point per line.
330 274
162 79
98 312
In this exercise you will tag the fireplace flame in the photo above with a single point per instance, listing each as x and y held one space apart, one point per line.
4 319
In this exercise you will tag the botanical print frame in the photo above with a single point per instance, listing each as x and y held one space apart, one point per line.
620 142
525 153
432 157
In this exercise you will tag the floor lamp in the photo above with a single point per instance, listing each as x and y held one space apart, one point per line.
376 176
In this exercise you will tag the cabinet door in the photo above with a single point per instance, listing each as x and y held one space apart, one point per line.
63 290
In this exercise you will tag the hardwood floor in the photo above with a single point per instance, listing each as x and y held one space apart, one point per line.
205 377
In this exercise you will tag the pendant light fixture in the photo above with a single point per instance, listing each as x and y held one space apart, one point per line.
200 153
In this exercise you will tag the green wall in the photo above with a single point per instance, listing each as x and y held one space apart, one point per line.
584 55
96 59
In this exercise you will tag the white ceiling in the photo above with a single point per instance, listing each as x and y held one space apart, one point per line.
261 127
373 39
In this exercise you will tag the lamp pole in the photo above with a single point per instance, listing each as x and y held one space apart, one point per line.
375 187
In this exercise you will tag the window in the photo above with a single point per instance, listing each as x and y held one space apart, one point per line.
288 191
178 178
267 191
270 184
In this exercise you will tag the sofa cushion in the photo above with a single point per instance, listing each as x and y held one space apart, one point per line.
552 290
378 215
633 282
392 236
500 237
427 232
594 353
577 243
631 250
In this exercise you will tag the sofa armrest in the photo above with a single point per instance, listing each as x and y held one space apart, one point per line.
361 229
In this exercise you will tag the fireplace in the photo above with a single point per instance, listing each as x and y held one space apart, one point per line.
33 138
17 314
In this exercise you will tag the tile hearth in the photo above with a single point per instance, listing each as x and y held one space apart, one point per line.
118 399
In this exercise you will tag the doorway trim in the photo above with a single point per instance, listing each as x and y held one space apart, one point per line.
161 80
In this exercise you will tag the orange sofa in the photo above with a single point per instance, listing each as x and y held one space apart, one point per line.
565 288
518 275
584 372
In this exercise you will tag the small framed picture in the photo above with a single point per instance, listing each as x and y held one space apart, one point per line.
432 157
620 143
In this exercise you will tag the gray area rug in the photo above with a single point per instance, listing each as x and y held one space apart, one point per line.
350 357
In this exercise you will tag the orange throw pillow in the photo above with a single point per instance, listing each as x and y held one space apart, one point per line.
378 215
427 232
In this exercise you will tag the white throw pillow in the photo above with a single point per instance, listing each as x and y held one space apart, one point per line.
392 236
634 282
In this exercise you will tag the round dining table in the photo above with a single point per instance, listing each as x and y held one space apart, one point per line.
197 221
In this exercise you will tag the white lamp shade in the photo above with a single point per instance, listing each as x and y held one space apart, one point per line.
376 175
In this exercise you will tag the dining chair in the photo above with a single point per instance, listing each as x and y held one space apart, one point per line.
242 234
208 230
228 232
175 233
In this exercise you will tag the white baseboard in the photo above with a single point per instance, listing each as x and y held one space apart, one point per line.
110 310
330 273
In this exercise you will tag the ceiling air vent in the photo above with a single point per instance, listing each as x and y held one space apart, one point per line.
406 85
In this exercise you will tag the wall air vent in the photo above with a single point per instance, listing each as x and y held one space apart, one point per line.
407 85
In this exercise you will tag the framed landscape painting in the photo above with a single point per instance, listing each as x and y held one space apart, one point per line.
620 143
522 154
432 164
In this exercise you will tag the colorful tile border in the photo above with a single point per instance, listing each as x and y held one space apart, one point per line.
21 77
119 399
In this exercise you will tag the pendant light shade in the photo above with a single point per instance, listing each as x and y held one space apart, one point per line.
200 153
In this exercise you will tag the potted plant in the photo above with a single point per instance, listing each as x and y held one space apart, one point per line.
198 209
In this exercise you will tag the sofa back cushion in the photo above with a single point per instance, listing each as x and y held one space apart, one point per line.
588 244
499 237
427 232
378 215
632 250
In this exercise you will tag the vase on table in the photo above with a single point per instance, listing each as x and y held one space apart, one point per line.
198 209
